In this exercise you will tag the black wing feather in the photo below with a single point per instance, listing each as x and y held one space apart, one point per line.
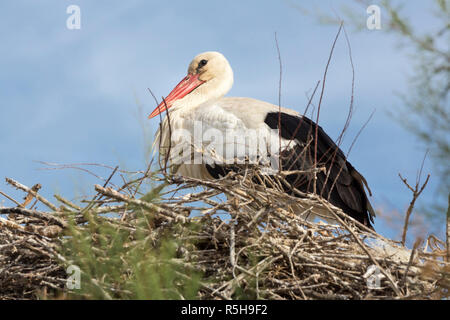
343 186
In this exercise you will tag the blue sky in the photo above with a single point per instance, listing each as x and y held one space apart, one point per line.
71 96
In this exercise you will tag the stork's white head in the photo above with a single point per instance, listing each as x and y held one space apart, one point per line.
209 77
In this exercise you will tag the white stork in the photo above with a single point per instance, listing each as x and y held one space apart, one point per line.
201 117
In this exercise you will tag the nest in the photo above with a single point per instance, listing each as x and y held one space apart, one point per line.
249 239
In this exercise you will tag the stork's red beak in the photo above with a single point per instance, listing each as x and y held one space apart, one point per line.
186 86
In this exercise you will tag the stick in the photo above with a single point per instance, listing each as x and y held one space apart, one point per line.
448 229
30 191
416 193
149 206
35 214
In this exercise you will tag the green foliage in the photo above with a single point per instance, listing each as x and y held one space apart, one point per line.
425 111
128 261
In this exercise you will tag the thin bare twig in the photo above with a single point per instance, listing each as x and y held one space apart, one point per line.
279 103
320 102
416 193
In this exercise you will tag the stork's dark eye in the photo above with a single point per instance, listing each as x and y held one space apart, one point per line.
202 63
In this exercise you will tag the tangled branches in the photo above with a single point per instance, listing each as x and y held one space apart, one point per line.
245 239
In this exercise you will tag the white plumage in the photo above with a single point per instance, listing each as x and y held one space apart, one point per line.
204 132
226 129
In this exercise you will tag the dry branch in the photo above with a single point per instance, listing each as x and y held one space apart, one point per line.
416 191
266 248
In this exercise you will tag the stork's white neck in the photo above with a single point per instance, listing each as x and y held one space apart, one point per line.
209 91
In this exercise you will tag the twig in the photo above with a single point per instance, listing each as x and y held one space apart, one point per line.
416 193
150 206
320 103
411 259
30 191
34 213
387 275
448 229
9 198
29 196
279 102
